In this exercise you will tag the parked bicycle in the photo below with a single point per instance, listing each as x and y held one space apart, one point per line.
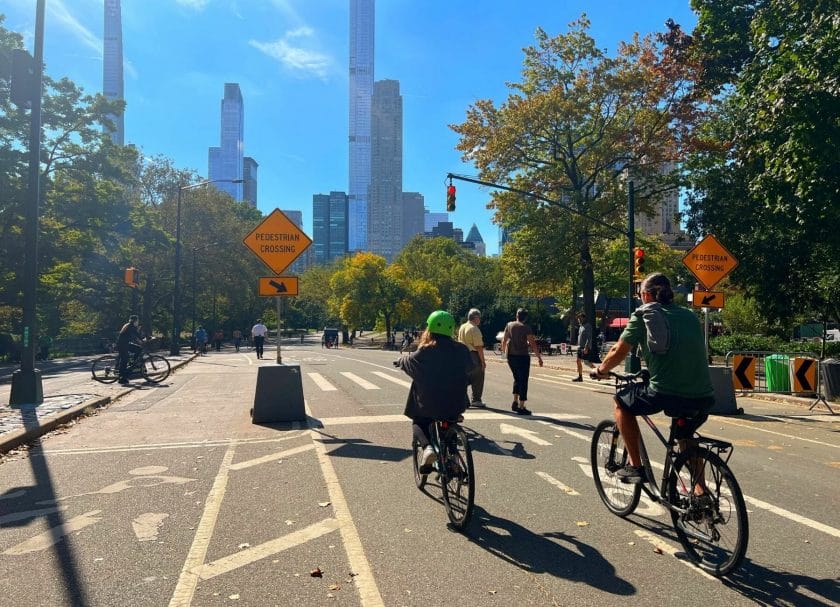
454 469
697 487
152 367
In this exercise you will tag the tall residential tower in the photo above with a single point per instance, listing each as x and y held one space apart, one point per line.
226 161
112 73
385 208
361 90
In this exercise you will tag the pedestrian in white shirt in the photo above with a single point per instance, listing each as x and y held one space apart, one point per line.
258 332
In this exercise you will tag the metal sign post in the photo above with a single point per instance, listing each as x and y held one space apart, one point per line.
279 334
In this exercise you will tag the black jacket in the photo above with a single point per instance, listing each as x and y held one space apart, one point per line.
440 377
128 334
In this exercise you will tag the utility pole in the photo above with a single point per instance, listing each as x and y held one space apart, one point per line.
632 363
27 387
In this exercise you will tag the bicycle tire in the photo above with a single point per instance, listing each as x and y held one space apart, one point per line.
714 532
155 368
620 498
458 477
417 453
106 369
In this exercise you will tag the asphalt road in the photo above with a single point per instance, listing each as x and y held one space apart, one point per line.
171 496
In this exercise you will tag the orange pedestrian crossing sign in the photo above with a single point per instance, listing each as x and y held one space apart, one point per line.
278 286
804 375
743 376
709 261
277 241
708 299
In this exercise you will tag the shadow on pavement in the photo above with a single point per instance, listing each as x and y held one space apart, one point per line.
557 553
768 587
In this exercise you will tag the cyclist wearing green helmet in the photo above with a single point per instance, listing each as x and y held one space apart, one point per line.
439 370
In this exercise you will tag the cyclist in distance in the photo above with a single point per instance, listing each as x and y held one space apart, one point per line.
129 341
672 344
439 370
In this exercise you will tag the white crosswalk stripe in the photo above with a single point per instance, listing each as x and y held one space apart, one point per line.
321 382
391 378
358 380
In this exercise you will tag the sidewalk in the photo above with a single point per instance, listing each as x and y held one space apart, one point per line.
22 424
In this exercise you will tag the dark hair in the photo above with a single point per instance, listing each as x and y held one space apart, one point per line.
133 317
659 286
522 315
581 316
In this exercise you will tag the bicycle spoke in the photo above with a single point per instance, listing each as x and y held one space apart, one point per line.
606 459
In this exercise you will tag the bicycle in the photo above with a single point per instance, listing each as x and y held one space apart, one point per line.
152 367
697 487
454 468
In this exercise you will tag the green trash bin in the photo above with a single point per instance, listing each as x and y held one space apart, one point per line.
777 371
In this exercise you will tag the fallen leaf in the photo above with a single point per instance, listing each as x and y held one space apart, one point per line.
316 572
407 530
807 541
335 587
234 597
290 522
582 524
657 550
323 504
330 595
244 545
631 543
492 591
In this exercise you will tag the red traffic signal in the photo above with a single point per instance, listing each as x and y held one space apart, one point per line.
639 262
450 198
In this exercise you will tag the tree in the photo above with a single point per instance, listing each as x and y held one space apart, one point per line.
577 126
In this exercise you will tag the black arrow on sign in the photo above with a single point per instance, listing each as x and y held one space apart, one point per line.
801 375
281 287
709 299
740 373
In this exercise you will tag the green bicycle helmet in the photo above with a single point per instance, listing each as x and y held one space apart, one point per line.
441 322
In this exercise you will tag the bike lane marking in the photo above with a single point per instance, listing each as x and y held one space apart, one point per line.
391 378
322 382
363 383
667 548
271 457
365 583
52 536
553 481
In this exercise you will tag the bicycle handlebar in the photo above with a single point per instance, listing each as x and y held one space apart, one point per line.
642 374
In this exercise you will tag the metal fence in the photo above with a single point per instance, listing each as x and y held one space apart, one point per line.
794 373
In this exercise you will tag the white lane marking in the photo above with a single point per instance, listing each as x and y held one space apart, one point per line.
246 357
147 447
572 433
391 378
358 380
553 481
19 516
669 549
523 433
366 584
147 525
793 516
187 581
596 388
271 457
42 541
790 436
256 553
322 382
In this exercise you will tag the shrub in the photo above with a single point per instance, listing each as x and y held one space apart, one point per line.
741 342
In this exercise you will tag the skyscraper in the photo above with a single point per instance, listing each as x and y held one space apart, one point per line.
112 72
413 211
385 210
329 226
361 89
299 265
249 174
474 236
227 160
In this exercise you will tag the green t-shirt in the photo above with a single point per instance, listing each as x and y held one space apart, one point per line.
684 369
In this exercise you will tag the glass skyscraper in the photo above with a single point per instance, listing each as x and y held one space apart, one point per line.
226 161
362 14
329 226
112 72
249 174
385 209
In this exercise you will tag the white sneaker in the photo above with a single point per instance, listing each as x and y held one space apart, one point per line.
427 459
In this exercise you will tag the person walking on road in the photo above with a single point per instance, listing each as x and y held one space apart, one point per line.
258 333
200 340
218 336
128 343
439 370
470 335
517 339
587 351
237 338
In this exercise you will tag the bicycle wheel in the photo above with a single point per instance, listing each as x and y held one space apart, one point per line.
417 453
105 369
712 527
607 456
155 368
458 478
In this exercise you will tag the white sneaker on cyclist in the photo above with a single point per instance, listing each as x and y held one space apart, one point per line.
631 474
427 459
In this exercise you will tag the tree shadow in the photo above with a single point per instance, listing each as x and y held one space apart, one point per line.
557 553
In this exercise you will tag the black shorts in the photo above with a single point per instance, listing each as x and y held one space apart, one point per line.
592 357
639 399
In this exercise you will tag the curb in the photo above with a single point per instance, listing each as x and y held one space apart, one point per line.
15 438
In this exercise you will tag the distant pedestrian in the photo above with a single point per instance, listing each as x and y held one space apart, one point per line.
258 333
470 335
200 339
587 350
517 338
129 343
237 338
44 344
218 336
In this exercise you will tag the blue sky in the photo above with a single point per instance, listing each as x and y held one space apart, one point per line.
290 58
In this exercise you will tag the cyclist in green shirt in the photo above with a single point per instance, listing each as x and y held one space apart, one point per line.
672 344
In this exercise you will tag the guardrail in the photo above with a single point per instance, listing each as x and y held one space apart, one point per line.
755 371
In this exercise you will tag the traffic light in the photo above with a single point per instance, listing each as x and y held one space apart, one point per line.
450 198
639 263
132 277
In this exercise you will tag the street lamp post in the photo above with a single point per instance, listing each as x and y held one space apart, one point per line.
175 347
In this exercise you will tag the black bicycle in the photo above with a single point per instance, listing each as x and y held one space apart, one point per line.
152 367
454 468
697 487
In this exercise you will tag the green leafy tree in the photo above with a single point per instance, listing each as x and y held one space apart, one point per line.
572 131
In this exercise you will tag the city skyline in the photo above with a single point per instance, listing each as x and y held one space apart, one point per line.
290 59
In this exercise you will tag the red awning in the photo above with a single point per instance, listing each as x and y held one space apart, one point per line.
617 323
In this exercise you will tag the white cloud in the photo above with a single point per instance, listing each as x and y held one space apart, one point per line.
296 58
66 19
196 5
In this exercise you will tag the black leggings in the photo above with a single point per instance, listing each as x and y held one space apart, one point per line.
520 366
420 430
